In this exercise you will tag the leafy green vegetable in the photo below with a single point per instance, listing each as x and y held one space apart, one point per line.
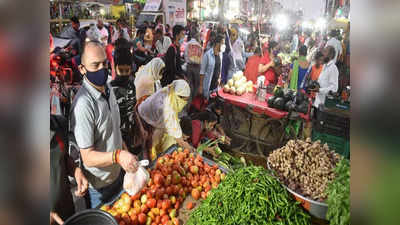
230 162
210 143
339 195
250 196
217 150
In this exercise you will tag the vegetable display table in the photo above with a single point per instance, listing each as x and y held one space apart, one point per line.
249 100
253 122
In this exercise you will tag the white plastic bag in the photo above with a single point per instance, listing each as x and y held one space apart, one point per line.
134 182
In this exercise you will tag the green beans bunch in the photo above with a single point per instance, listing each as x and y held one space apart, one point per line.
249 196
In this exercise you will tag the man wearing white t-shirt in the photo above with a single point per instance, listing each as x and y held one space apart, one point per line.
103 32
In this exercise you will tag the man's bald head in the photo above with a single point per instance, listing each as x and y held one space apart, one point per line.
93 57
100 24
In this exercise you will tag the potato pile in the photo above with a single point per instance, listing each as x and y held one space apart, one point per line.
238 84
305 167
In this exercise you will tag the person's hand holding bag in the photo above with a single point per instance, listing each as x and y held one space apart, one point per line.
127 160
134 182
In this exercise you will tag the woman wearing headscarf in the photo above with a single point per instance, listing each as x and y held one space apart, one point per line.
148 78
158 118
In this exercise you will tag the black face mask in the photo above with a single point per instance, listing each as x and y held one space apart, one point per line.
98 78
326 59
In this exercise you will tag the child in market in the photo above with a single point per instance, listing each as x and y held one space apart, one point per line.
202 127
216 107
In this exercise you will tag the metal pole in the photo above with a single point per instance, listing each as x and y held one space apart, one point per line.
326 7
220 11
60 17
259 27
333 8
200 11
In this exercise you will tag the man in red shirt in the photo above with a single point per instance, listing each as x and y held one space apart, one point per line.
267 63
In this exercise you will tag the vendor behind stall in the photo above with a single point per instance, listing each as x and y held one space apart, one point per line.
95 122
267 63
251 70
158 117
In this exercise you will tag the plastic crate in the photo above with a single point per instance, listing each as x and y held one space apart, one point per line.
331 123
338 144
331 129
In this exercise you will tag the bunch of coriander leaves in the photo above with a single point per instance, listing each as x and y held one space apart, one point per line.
339 195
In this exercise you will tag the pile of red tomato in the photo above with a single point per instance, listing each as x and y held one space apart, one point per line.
173 178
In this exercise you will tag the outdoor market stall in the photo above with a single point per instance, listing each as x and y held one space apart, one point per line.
272 169
189 188
249 118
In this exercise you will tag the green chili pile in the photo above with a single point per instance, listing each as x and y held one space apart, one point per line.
249 196
339 195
